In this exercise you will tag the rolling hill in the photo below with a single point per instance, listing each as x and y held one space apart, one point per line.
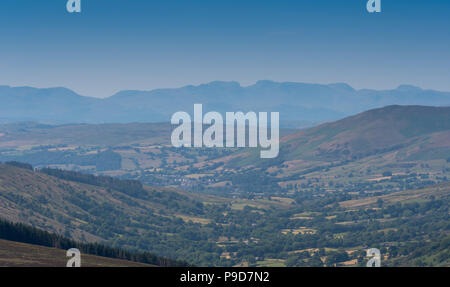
376 131
390 148
97 209
301 229
25 245
398 134
401 140
17 254
33 134
117 213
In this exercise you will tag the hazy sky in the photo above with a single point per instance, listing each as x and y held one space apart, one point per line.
143 44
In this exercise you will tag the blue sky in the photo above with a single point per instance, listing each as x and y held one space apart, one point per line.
143 44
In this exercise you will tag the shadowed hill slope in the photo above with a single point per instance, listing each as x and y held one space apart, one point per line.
97 209
16 254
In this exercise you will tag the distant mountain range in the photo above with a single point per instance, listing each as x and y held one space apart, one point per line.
395 138
299 104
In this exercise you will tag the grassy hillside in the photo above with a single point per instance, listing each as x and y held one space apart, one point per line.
16 254
408 196
389 149
374 131
393 148
138 150
23 233
410 130
93 212
379 178
408 141
120 213
35 134
303 229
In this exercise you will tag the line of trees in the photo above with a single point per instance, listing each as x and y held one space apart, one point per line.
27 234
131 187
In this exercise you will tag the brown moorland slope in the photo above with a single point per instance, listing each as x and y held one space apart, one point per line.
16 254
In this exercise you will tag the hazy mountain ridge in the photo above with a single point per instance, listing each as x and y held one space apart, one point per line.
294 101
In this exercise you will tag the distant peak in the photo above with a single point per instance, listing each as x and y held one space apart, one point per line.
342 86
264 82
232 84
408 88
